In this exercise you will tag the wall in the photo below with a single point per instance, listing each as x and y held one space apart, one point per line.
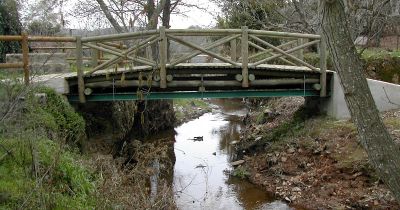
42 63
386 96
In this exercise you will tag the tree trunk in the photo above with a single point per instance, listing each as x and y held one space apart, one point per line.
109 16
166 17
382 151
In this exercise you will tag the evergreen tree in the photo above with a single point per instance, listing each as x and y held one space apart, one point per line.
9 25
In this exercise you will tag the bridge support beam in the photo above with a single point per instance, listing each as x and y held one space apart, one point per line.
79 61
163 57
245 56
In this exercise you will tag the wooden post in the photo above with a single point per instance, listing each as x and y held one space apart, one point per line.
300 42
245 56
163 57
79 69
25 57
323 66
95 57
233 50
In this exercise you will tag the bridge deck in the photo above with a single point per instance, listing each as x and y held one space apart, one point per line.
199 80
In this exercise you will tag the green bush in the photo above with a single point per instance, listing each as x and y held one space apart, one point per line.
241 172
62 182
35 136
55 114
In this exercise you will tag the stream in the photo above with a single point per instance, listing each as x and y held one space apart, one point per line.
200 179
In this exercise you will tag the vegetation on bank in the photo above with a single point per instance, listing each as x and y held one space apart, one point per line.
186 109
41 166
378 63
313 161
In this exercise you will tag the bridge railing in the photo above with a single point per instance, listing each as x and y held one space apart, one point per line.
243 39
24 39
247 49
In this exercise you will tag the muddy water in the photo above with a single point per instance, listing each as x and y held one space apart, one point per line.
200 178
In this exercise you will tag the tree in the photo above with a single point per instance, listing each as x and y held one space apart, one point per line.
9 25
43 28
256 14
130 15
382 151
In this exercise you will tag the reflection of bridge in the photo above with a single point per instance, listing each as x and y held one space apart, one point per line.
241 63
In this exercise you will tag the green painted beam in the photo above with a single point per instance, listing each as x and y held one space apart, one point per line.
213 94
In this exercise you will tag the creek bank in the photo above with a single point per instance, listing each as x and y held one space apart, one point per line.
189 109
314 162
112 125
123 149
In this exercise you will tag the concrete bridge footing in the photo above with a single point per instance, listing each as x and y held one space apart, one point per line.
386 96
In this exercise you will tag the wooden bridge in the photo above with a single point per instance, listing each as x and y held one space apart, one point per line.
240 63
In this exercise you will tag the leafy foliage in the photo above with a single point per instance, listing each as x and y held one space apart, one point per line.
54 115
37 172
9 25
43 28
254 13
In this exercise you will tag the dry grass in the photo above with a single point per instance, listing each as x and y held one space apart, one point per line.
127 185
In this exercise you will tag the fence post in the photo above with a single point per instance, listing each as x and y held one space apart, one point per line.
300 42
245 56
25 57
81 82
95 57
322 65
233 50
163 57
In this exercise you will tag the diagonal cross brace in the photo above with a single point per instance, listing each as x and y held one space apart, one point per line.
285 53
206 51
208 47
125 53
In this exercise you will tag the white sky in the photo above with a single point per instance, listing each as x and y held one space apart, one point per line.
192 16
197 17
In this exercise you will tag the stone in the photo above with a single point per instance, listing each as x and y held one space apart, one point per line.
296 189
291 150
237 163
234 142
287 199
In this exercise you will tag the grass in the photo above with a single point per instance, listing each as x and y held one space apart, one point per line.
63 183
38 170
377 53
41 166
184 107
186 103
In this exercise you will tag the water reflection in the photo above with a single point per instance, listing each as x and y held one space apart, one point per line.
199 178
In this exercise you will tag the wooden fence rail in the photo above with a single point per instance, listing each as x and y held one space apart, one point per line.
248 49
25 39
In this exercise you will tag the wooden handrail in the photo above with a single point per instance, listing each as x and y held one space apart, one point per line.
290 52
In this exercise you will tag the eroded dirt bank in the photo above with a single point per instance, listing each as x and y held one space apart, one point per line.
135 170
314 162
111 125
